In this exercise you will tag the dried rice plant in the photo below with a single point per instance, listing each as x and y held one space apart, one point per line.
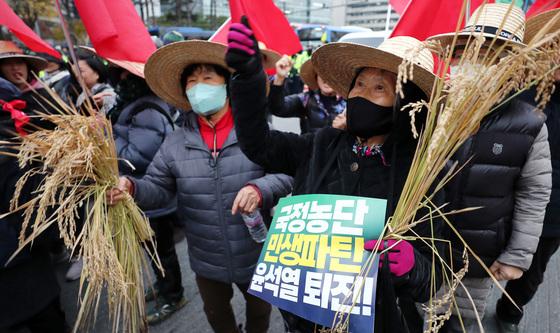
490 74
78 163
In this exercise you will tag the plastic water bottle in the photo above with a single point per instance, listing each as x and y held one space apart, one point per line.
255 224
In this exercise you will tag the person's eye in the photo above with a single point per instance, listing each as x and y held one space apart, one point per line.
379 87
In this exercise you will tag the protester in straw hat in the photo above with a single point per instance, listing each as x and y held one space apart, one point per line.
21 70
371 158
316 108
202 164
523 290
17 67
30 291
509 177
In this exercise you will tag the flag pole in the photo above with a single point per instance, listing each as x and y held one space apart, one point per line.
74 63
388 17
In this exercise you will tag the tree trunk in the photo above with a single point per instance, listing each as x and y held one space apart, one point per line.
178 7
190 6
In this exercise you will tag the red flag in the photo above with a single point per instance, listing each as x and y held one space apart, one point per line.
220 36
425 18
399 5
541 6
269 24
115 29
16 26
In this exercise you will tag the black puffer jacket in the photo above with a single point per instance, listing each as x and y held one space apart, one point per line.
305 157
314 110
139 132
509 177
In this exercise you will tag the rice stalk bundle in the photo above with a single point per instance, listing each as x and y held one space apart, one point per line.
78 162
490 74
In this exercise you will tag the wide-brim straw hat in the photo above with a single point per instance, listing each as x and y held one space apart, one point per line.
339 63
503 22
270 57
165 67
308 75
9 50
136 68
537 22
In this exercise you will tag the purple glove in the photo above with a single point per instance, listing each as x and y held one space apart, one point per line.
401 255
243 53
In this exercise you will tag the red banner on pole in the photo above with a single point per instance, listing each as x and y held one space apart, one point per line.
443 17
269 24
27 36
115 29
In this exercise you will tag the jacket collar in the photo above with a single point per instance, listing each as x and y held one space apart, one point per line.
192 136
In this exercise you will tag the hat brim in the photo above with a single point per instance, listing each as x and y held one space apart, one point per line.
447 38
270 58
36 63
308 75
165 67
339 63
537 22
136 68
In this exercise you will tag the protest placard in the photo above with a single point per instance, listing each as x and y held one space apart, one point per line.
311 261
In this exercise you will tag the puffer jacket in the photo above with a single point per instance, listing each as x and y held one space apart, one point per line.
139 131
220 247
314 110
7 90
508 175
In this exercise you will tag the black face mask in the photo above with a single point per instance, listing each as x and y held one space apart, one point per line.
365 119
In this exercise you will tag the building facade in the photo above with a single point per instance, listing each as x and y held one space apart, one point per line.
370 14
306 11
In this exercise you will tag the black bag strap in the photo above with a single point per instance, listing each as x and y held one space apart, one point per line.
337 146
149 105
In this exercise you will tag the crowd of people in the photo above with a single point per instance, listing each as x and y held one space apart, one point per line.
198 152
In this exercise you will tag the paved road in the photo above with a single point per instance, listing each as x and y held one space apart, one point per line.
542 315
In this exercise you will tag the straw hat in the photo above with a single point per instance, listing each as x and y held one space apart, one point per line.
9 50
537 22
136 68
270 57
338 63
308 75
494 20
165 67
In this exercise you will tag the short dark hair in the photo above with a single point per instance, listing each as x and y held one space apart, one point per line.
189 70
96 64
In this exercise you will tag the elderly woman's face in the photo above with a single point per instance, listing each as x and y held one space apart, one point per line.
204 75
376 85
15 70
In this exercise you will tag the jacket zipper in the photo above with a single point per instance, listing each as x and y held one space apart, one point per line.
215 156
